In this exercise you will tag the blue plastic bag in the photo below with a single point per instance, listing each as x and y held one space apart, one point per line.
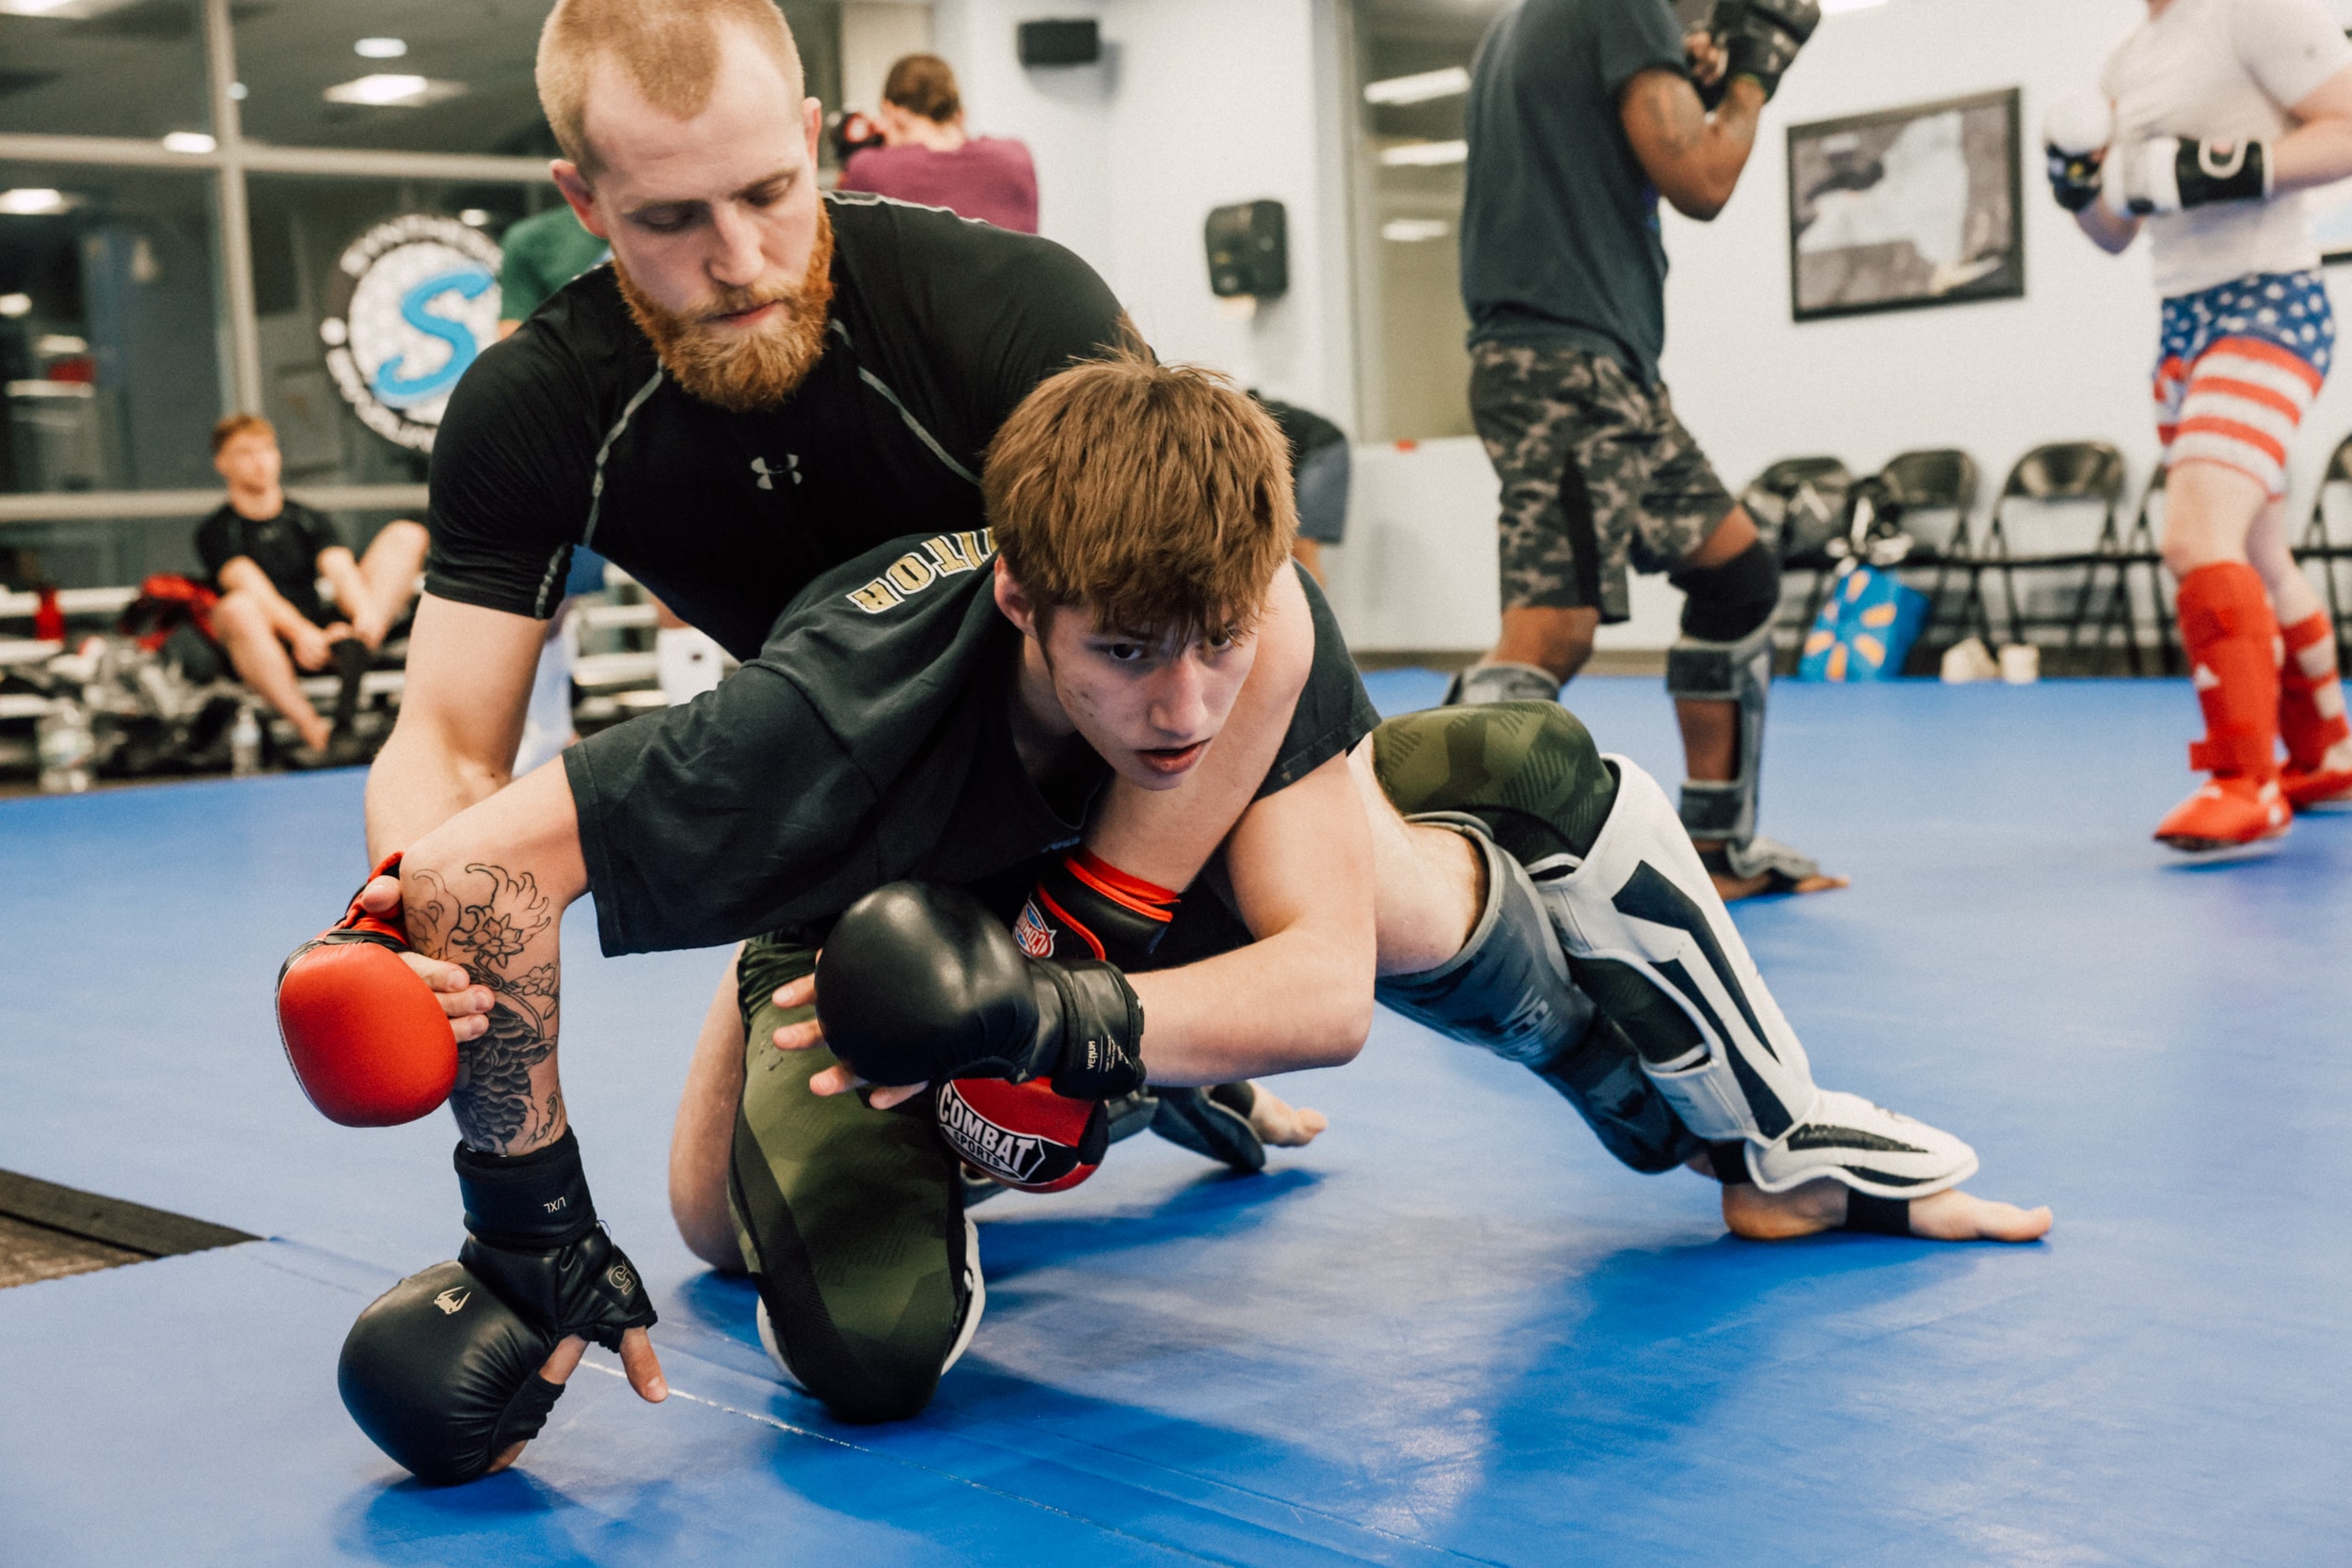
1865 629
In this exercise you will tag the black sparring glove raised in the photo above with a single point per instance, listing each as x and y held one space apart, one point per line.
1760 38
534 1240
919 983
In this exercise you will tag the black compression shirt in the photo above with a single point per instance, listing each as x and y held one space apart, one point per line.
870 741
568 433
286 547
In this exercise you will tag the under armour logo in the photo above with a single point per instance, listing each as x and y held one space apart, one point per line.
449 1301
769 476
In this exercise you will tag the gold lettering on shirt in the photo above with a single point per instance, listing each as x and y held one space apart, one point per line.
948 554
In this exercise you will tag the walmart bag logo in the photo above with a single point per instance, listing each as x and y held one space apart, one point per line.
415 300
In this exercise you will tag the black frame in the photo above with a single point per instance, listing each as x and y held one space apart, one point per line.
2005 282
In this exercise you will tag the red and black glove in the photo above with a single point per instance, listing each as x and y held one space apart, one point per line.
364 1034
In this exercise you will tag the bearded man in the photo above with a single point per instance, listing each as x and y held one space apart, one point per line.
766 382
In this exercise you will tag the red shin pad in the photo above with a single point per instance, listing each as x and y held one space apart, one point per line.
2304 724
2232 642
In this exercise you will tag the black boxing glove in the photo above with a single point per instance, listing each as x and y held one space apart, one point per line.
919 983
1760 38
534 1240
444 1376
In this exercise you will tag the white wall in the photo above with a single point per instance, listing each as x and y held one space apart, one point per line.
1205 102
2071 360
1197 103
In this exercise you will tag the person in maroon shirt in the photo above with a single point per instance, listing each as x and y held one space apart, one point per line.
927 157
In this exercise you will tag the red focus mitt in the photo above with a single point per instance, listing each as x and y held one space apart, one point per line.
1024 1135
364 1034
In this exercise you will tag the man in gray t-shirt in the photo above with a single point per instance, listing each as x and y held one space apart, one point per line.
1582 114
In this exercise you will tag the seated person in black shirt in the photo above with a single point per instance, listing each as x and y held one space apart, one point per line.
266 555
927 712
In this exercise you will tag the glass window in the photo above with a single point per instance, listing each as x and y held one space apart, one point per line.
444 78
1413 70
109 353
448 78
310 306
102 67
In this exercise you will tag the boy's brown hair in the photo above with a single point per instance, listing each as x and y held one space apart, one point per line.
1158 496
669 48
923 84
236 425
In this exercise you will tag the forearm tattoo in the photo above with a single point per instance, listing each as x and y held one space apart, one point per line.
495 927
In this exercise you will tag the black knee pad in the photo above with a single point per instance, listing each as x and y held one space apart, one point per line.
1723 604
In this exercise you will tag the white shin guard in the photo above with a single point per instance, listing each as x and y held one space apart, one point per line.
1641 905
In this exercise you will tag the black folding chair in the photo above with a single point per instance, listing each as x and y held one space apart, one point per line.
1799 504
2066 471
1911 486
2319 545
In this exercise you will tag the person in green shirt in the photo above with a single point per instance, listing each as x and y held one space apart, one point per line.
542 253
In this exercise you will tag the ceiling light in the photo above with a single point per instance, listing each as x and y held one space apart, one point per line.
1424 154
1414 230
54 345
475 217
390 90
380 49
1419 88
188 141
236 90
69 10
35 201
13 306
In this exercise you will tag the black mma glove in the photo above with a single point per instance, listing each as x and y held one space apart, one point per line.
2169 175
1760 38
534 1240
2074 179
919 983
444 1376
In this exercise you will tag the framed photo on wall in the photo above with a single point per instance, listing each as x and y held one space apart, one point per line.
1902 208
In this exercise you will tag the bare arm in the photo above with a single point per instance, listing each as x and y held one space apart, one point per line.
1693 157
1300 995
461 717
2110 230
2318 151
488 891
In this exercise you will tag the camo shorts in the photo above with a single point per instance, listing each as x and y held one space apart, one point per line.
1596 474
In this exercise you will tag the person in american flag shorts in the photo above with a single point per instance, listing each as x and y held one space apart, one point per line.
2210 120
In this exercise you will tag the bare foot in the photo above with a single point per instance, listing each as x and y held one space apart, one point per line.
1951 1215
1281 1125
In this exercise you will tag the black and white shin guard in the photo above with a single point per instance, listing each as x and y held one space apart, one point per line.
1647 936
1508 990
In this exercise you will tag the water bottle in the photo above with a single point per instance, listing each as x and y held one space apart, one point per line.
245 742
65 743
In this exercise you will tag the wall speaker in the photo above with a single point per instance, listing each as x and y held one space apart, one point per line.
1078 42
1249 250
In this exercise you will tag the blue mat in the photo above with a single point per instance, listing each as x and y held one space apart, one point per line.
1452 1329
